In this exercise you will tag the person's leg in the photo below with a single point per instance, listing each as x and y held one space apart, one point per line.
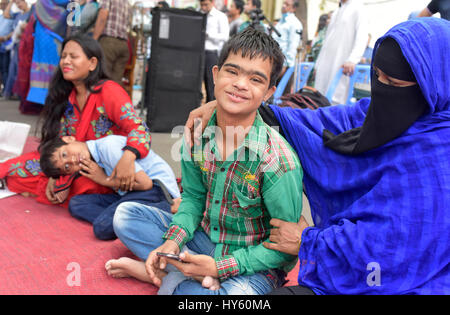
121 61
140 227
110 54
89 207
258 284
211 59
103 224
200 244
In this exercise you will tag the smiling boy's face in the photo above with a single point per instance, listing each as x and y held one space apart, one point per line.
242 84
67 157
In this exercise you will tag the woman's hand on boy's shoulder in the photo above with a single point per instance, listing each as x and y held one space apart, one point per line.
197 121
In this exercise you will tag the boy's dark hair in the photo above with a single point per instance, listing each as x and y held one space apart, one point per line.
239 5
252 43
47 150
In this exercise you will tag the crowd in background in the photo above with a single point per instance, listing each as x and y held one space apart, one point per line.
30 39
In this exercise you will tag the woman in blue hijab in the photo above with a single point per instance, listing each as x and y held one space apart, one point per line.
377 175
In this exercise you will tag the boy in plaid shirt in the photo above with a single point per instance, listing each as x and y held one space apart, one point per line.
243 175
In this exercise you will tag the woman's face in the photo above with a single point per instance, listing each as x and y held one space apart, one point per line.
75 65
388 80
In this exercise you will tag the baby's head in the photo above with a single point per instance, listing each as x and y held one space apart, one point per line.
62 156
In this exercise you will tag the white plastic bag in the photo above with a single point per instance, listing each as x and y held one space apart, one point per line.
12 139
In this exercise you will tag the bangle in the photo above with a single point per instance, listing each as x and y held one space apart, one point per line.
133 150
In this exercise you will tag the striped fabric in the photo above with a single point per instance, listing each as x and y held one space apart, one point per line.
382 218
118 15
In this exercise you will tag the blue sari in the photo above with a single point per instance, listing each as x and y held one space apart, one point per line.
48 36
382 218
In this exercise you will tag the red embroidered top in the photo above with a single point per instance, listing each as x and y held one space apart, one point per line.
108 112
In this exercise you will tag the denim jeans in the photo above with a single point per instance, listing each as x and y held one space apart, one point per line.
99 209
141 228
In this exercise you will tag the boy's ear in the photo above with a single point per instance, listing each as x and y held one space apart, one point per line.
269 93
215 71
68 139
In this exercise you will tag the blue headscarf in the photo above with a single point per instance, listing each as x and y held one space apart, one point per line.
382 218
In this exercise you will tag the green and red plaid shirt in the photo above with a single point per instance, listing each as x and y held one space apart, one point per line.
234 200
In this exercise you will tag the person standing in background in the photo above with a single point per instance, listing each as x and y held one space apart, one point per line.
343 47
217 33
290 29
111 30
250 8
234 16
435 6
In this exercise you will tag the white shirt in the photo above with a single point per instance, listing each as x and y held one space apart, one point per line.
345 40
288 27
217 30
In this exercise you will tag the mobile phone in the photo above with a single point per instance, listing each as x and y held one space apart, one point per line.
170 256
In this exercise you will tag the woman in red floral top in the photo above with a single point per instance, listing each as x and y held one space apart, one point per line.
83 103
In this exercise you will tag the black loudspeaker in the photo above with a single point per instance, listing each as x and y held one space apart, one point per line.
175 75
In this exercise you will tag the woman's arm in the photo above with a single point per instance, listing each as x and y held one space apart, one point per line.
120 111
199 117
142 181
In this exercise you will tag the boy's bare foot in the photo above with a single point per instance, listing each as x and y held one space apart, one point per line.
125 267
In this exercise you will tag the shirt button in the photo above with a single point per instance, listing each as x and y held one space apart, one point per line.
222 169
215 228
217 202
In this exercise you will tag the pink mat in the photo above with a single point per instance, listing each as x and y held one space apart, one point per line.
43 250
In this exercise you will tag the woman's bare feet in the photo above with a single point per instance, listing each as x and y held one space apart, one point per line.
125 267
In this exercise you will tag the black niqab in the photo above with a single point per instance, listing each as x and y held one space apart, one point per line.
392 109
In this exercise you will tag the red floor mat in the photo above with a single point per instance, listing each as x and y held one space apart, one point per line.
43 250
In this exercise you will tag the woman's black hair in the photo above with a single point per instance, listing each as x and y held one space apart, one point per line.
60 89
252 43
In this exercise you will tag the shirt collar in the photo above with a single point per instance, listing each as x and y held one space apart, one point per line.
255 140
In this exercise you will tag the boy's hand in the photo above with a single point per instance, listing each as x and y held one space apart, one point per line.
197 121
348 68
91 170
196 265
124 172
49 192
155 265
